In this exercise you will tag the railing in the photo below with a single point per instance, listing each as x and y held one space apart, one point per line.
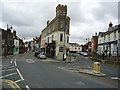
114 60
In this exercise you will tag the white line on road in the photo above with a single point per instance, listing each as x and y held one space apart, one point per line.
12 60
115 78
18 81
8 75
7 70
28 88
4 65
20 74
15 63
7 67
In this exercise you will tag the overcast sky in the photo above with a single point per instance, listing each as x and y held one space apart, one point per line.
29 18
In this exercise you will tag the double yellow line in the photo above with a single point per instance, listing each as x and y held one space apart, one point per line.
13 85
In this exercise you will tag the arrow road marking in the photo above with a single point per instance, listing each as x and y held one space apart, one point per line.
30 61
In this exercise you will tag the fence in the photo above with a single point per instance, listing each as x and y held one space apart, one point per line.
105 59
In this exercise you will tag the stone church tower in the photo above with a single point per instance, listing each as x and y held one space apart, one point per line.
57 30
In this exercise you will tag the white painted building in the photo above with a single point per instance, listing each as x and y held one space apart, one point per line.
74 47
119 43
108 41
0 42
58 37
55 36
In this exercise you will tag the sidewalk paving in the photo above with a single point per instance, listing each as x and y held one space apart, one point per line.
91 72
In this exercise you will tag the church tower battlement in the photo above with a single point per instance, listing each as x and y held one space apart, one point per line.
61 10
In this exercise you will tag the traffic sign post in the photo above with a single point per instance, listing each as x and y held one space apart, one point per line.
96 67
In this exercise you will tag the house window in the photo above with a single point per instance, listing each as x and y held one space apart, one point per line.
114 35
75 48
61 37
67 39
52 37
60 49
62 24
48 39
48 31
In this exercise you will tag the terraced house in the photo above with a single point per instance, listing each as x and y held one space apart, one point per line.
119 42
0 42
108 41
55 36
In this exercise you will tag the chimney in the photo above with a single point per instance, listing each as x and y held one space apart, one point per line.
110 26
48 22
96 34
14 33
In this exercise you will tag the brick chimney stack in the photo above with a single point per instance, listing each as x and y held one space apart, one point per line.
14 33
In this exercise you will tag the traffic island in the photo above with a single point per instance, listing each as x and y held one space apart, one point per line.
95 72
91 72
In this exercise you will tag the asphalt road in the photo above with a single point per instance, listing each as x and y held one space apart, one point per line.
30 72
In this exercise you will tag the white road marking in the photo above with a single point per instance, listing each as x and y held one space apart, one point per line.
7 70
115 78
8 75
80 83
18 81
28 88
15 63
20 74
30 61
12 60
7 67
4 65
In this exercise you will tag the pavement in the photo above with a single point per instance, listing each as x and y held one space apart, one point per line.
29 72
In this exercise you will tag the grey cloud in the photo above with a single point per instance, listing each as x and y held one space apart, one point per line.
28 19
106 8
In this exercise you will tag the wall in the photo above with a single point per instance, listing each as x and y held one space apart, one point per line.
0 42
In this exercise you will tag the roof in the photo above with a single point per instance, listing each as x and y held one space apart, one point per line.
115 28
74 44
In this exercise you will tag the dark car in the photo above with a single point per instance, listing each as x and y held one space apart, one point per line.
42 55
36 53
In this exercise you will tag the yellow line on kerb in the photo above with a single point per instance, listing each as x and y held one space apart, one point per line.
12 84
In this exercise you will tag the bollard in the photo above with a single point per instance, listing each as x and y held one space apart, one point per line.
96 67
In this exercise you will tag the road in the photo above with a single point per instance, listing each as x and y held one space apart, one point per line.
30 72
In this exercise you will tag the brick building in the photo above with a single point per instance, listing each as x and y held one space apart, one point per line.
55 36
7 41
94 43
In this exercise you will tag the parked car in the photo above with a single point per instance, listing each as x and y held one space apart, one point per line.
81 53
42 55
85 54
36 53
